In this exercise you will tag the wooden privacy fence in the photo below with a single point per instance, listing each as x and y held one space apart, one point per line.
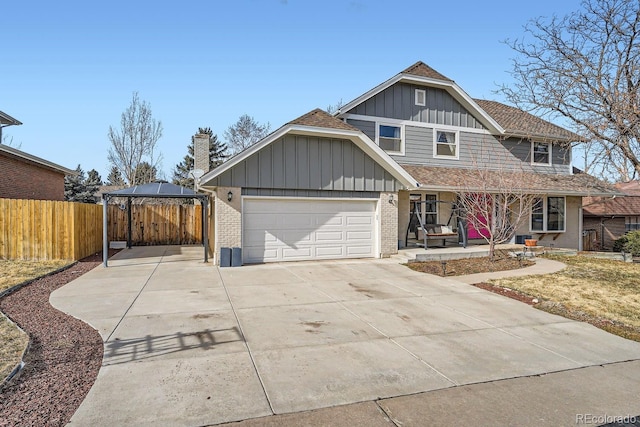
46 229
167 224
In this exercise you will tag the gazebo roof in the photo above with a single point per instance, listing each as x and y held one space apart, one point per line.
157 189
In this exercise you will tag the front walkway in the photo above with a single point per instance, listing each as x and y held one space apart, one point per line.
189 344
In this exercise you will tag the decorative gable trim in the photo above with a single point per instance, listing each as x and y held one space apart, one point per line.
451 87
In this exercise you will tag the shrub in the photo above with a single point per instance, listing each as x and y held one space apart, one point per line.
633 243
618 245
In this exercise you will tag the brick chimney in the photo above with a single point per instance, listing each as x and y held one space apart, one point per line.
201 151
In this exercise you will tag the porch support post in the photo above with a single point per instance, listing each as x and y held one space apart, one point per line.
129 222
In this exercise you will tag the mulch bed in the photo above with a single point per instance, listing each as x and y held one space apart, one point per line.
459 267
64 356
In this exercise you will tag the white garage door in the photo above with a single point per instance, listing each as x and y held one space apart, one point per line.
294 230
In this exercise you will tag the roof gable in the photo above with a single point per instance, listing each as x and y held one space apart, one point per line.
423 75
321 119
318 123
423 70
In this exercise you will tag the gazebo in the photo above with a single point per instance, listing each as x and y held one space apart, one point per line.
156 190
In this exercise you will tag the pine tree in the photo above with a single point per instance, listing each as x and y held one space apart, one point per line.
92 185
115 178
76 189
217 155
145 173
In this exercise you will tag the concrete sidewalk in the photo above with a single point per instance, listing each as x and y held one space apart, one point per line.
594 395
190 344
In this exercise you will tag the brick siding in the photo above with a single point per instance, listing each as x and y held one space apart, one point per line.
21 179
228 220
389 224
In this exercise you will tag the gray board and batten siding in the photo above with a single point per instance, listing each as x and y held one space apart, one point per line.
299 162
477 150
398 102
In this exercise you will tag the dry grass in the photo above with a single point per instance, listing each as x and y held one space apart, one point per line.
600 288
15 272
13 341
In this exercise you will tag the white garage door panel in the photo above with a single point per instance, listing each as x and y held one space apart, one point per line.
359 235
330 252
288 230
359 251
329 236
296 253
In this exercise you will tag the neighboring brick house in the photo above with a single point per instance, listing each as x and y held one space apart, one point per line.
24 176
610 218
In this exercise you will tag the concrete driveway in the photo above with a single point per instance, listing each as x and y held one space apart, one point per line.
189 344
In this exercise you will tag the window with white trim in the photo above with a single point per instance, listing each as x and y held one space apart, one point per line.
541 152
390 138
548 214
446 144
421 97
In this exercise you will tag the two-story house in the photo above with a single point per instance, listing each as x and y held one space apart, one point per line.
345 186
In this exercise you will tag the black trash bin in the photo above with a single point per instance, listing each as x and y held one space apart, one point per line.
225 257
236 257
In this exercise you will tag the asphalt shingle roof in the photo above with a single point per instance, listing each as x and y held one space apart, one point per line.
520 123
322 119
629 205
456 178
423 70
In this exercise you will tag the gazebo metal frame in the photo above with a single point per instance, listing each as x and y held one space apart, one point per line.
160 190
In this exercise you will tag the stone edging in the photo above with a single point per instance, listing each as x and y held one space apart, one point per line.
18 368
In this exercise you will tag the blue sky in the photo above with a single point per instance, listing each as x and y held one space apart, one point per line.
69 68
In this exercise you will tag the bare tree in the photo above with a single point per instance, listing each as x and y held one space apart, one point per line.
8 140
496 201
244 133
333 108
135 141
585 68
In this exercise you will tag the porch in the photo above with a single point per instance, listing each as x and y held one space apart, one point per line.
472 251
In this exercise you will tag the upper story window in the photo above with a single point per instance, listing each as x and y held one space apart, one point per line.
446 144
548 214
390 138
541 152
421 97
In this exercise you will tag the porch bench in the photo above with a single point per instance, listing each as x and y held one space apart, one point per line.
437 232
